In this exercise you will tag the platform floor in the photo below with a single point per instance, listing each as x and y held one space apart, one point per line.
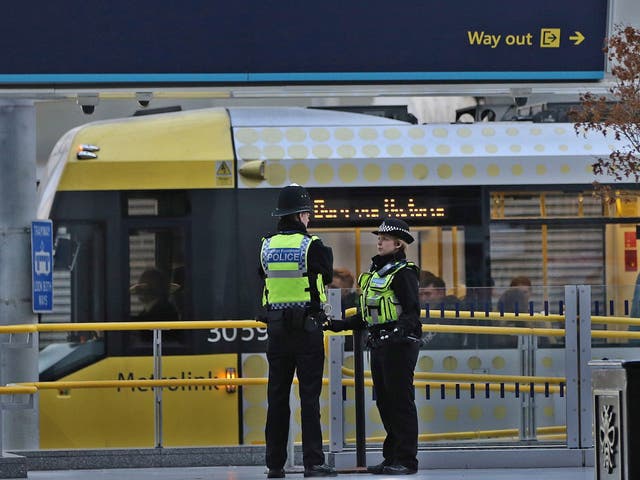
255 473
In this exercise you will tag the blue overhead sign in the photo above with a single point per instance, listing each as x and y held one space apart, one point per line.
294 41
42 265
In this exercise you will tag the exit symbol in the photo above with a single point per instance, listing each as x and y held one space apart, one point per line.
550 37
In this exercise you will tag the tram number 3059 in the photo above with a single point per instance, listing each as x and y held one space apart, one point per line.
231 334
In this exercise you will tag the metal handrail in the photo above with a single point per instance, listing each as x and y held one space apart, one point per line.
19 389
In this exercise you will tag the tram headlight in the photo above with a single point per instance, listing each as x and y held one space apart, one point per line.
230 374
87 152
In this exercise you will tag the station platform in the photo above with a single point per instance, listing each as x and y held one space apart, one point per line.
255 473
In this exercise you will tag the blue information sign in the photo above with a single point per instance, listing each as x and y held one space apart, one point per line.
294 41
42 265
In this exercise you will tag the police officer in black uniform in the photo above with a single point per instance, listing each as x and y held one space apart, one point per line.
390 306
295 267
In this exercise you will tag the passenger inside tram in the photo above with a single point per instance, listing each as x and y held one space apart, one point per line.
344 280
433 296
433 293
153 290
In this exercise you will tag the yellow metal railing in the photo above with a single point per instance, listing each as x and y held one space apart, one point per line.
494 383
449 381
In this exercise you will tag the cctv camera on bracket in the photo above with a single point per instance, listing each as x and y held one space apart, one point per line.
520 95
88 102
521 101
144 98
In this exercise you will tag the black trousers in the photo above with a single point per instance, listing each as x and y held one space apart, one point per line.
392 367
288 352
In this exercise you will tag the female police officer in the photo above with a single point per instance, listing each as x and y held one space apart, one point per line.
295 267
389 304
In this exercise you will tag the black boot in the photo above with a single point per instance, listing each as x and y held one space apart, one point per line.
398 470
376 469
275 473
323 470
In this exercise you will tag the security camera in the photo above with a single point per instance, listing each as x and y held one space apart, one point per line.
144 98
521 101
88 102
520 95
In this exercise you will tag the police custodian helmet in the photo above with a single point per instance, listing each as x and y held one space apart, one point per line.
293 199
396 228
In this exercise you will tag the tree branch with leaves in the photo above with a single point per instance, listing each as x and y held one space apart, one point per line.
616 116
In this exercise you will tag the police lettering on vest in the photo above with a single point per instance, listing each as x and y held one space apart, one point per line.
279 255
284 261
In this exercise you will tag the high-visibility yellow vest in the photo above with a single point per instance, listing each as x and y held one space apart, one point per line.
284 261
378 302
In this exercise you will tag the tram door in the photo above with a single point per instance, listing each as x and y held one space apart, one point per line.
439 250
159 272
158 287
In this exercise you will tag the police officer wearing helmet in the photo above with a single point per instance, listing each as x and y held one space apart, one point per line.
295 267
389 304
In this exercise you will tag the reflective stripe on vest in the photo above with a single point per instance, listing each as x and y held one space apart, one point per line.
284 261
378 302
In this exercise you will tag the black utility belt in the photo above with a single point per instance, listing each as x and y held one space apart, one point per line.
297 318
376 331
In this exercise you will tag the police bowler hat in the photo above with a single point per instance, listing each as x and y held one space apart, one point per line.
396 228
293 199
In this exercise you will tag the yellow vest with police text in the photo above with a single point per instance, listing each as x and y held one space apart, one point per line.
378 302
284 261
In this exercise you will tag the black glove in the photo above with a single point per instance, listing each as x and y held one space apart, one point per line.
356 323
353 322
336 325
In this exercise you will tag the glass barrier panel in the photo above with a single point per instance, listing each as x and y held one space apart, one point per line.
475 384
615 320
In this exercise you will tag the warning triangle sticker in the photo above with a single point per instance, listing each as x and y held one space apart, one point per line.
223 169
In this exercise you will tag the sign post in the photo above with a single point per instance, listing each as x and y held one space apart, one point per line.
42 266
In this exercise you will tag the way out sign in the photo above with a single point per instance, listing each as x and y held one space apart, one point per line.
42 266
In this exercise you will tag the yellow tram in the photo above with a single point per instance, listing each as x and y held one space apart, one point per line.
190 193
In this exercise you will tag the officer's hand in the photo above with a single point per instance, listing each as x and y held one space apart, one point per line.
336 325
356 323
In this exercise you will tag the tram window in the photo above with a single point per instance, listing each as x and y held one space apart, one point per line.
78 281
157 289
150 204
505 205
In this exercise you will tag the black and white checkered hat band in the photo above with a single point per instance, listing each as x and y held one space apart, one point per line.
388 228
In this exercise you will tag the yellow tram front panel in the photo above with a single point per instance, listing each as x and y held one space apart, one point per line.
183 150
124 417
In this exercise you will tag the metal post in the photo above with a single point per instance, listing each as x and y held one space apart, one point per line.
336 430
336 354
584 298
157 391
527 346
358 366
571 366
18 204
